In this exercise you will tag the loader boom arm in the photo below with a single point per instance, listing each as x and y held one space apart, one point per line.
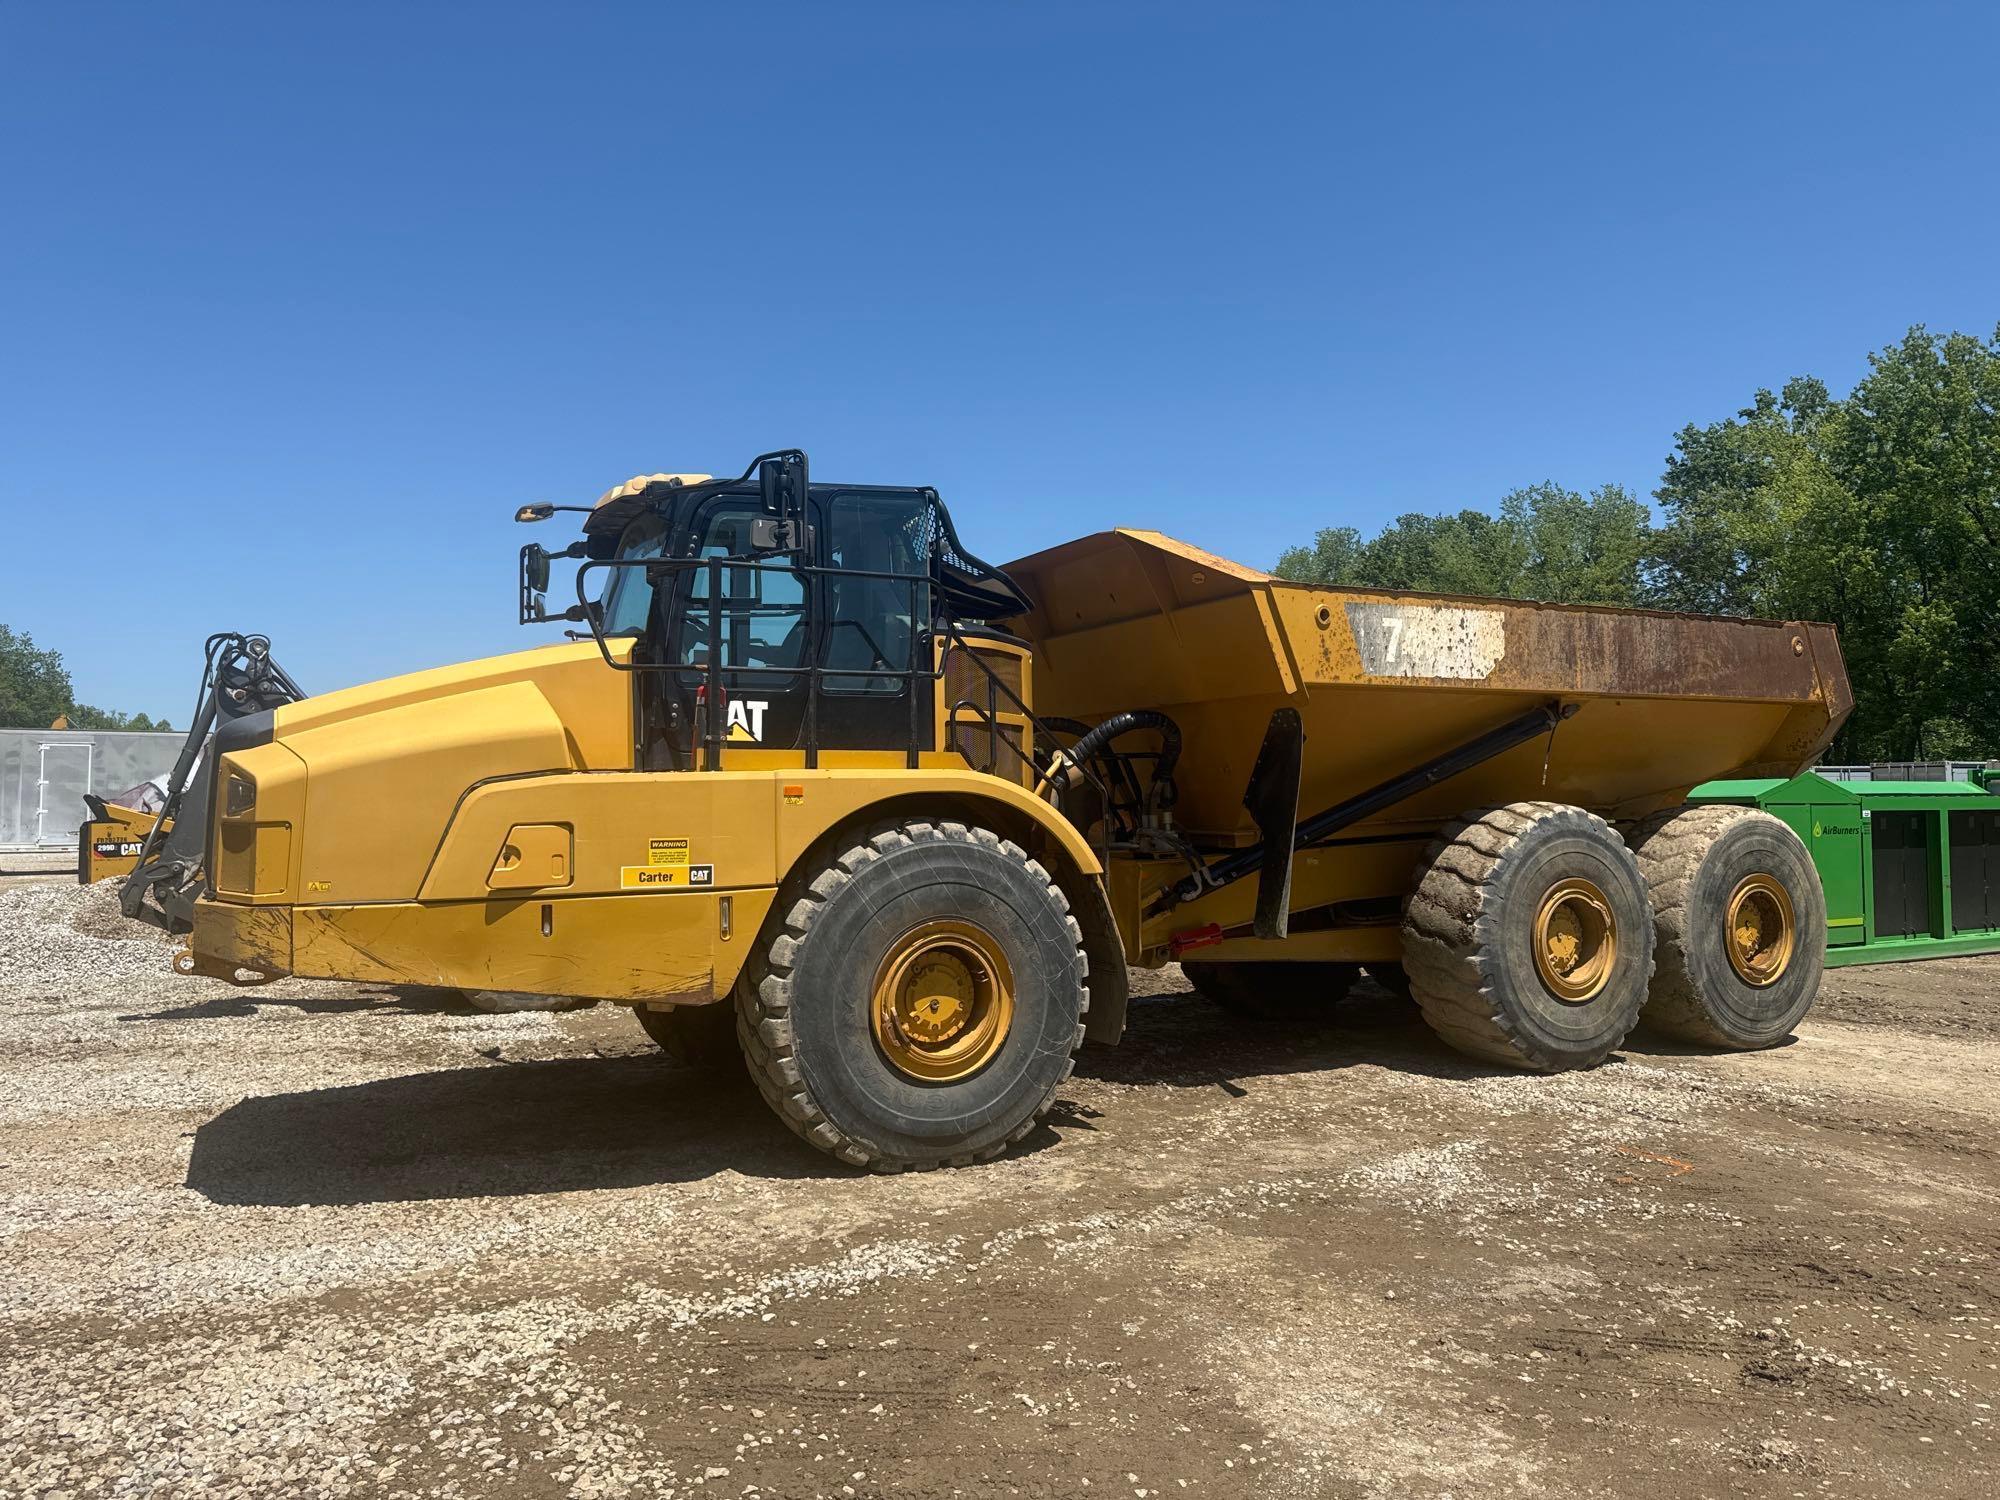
239 679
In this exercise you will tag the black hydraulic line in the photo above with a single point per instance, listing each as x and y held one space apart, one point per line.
1119 769
132 890
1119 724
1248 860
197 736
1066 726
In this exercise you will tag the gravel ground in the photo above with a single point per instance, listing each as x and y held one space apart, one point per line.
319 1239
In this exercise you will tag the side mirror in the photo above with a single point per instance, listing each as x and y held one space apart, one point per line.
535 559
781 485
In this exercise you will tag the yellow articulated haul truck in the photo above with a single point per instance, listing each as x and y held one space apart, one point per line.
815 785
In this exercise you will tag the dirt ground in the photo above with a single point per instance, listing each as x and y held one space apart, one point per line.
320 1239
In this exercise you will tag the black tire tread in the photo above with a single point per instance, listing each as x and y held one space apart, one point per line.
1392 978
764 998
1450 977
1670 847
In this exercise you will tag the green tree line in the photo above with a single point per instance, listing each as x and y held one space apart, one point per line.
35 691
1878 512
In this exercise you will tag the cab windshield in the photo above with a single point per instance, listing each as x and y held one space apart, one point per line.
628 595
868 533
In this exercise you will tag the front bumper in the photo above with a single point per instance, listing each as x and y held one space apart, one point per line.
686 947
229 937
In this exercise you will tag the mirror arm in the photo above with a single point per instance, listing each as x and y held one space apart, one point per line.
539 614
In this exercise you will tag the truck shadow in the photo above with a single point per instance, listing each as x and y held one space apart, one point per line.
1178 1039
393 1000
1646 1043
497 1130
511 1129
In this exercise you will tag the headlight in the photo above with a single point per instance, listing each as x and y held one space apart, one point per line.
239 796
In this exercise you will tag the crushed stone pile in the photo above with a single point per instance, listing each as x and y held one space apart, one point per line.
56 935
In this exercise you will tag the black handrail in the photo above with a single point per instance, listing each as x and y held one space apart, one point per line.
920 593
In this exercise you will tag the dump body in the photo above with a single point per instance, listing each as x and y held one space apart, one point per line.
1385 681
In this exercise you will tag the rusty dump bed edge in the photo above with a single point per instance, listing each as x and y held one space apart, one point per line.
1385 679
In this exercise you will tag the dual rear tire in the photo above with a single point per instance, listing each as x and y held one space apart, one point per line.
1740 920
1528 938
1537 937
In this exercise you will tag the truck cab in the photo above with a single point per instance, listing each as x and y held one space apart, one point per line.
795 618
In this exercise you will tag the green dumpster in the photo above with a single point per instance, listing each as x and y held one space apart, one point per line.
1911 868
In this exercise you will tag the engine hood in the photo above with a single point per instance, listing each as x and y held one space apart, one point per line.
592 700
349 797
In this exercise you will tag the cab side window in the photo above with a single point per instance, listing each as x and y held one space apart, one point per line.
872 619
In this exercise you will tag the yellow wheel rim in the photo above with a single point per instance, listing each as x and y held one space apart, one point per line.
1762 931
943 1001
1576 941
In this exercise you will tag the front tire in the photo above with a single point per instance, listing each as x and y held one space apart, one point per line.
1741 918
920 1001
1528 939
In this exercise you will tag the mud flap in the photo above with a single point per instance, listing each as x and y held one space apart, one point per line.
1272 799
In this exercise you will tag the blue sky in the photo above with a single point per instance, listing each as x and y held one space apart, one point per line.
298 303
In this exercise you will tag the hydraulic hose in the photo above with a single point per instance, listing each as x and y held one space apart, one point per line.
1121 724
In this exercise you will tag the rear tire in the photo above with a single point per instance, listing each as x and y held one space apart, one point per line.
1528 939
508 1002
920 1000
702 1036
1268 990
1392 977
1741 923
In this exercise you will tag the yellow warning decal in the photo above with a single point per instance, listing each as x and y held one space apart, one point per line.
666 851
666 877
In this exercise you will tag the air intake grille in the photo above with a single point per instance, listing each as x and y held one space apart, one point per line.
964 680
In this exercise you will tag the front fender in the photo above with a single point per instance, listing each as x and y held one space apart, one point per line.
672 836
